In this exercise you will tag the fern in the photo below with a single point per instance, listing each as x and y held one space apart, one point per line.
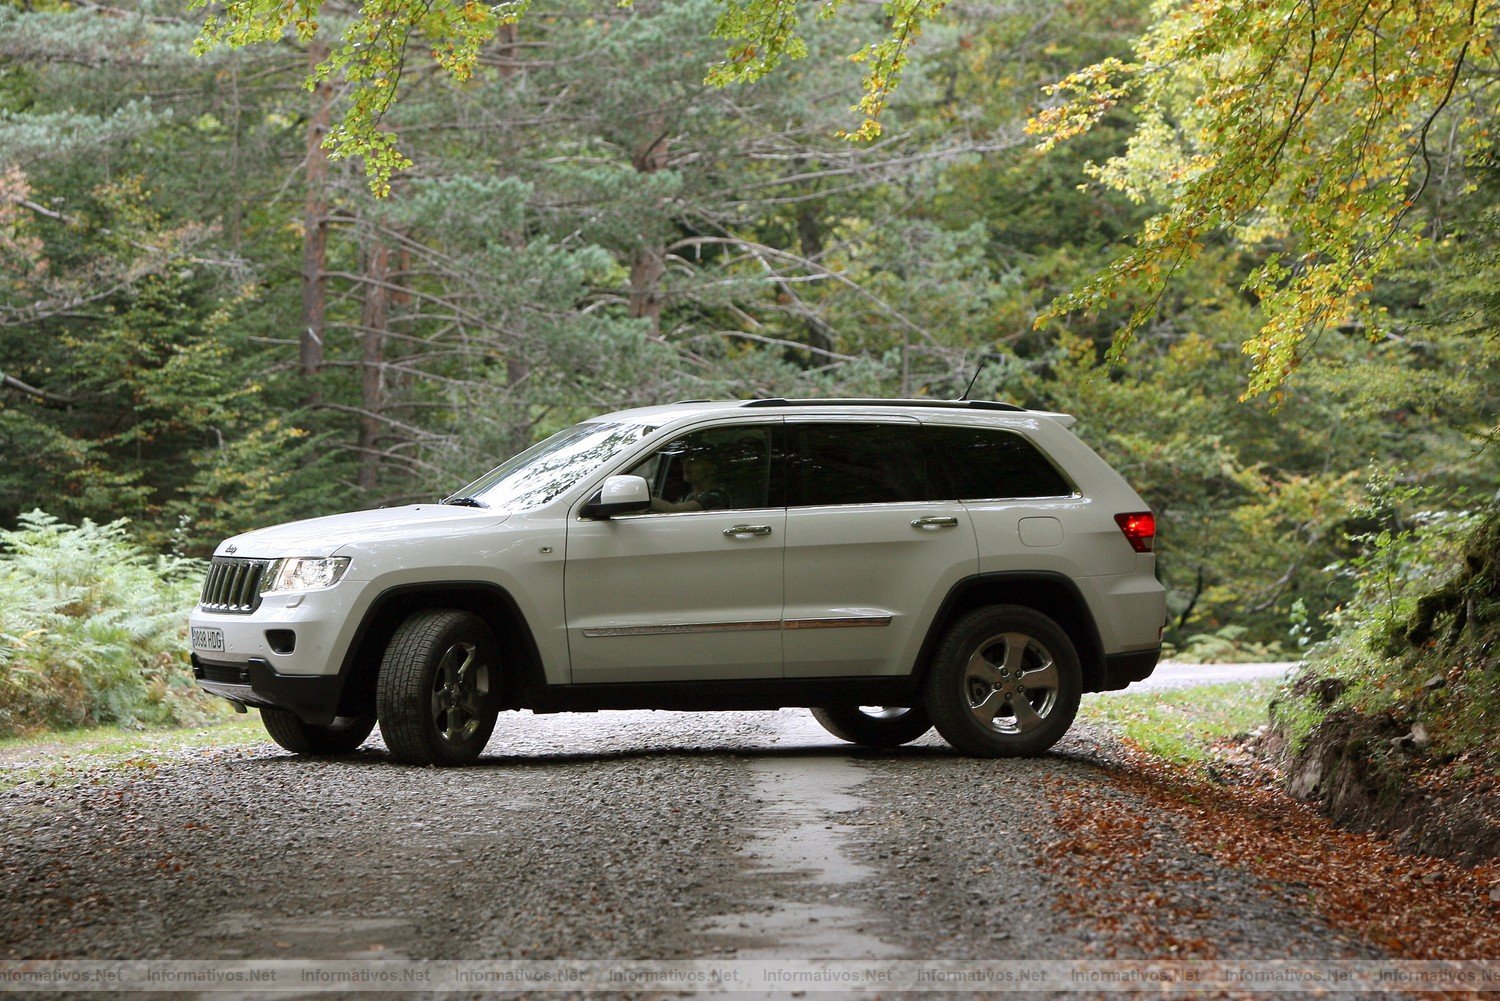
92 628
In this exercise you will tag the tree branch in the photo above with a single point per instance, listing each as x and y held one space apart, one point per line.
50 399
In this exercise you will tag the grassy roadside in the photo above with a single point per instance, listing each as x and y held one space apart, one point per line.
69 756
1182 725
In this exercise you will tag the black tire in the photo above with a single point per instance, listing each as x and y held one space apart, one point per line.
874 726
1005 682
437 695
342 736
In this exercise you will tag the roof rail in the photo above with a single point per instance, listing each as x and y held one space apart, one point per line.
945 404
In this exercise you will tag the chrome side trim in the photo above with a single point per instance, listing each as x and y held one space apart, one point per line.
762 625
839 622
685 627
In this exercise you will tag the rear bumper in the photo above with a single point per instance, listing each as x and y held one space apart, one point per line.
314 698
1120 669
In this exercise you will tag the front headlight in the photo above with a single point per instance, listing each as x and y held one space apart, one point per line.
304 573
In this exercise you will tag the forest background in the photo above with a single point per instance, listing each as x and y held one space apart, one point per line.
207 324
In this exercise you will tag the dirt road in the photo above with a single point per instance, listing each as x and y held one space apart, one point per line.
639 834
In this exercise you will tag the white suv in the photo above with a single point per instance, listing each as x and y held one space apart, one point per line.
892 564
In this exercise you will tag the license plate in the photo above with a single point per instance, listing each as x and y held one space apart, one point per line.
208 639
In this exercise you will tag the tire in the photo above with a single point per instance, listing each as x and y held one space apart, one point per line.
1005 683
874 726
437 694
343 736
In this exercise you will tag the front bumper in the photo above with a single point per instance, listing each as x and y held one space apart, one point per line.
314 622
315 698
286 654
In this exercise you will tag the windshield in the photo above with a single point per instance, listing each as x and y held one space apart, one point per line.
551 466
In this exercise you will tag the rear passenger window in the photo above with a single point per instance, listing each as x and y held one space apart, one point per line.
855 463
981 463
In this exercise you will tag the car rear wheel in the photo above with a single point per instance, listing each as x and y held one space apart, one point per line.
1005 683
874 726
342 736
437 692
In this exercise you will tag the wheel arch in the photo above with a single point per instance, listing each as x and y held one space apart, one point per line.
1052 594
490 602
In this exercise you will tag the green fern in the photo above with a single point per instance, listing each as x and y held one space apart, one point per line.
92 629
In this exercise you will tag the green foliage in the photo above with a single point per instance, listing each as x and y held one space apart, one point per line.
1420 640
92 629
765 33
27 137
1229 645
371 57
1301 129
376 48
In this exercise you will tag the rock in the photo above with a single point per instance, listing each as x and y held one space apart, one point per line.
1307 781
1417 740
1435 682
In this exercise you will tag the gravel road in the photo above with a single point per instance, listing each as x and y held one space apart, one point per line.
1172 674
637 834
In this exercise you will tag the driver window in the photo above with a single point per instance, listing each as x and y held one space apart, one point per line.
710 470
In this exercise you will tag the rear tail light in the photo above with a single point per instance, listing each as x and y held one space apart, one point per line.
1139 529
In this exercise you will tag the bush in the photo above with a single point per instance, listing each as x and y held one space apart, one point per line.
93 629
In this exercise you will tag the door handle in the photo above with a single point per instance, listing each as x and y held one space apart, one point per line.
745 531
943 521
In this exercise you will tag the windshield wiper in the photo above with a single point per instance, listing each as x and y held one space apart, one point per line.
463 502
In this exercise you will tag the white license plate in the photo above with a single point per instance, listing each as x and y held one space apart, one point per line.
208 639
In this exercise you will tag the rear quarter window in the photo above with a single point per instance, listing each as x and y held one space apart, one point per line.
970 463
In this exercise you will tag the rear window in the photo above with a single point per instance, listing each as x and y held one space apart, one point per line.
967 463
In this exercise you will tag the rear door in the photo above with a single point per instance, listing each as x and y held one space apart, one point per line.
868 556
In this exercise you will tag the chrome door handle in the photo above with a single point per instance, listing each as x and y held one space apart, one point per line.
745 531
937 522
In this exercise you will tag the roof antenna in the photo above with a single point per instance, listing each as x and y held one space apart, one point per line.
982 360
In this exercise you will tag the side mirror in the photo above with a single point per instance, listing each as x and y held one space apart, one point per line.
619 495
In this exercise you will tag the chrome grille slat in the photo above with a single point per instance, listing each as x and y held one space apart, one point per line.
237 585
233 585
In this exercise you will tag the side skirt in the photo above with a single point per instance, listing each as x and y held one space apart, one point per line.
781 693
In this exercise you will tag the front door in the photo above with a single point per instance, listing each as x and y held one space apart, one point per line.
693 589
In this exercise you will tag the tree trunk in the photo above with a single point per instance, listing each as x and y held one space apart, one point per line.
315 226
647 267
811 234
507 37
648 263
373 318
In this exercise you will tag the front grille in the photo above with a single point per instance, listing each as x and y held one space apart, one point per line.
233 585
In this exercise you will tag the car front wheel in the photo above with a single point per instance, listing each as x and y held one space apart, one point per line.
1005 683
874 726
342 736
438 687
